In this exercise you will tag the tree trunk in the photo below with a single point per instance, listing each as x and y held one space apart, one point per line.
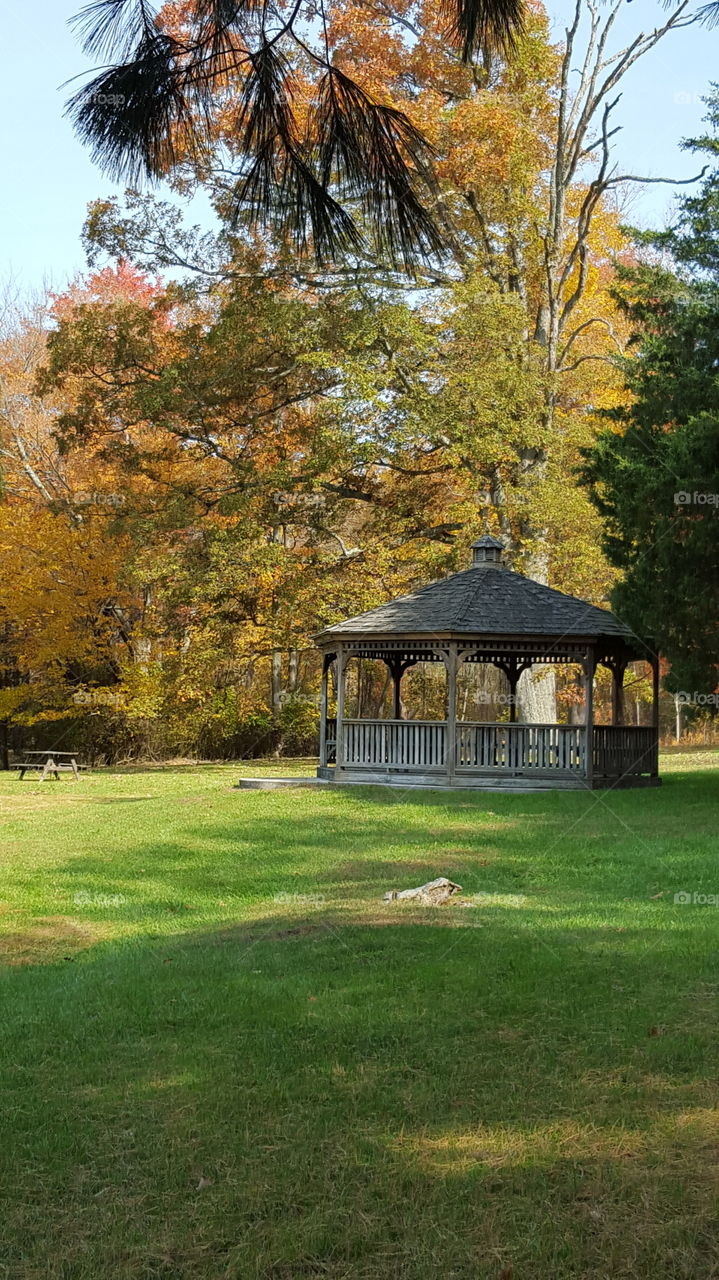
678 725
276 681
537 687
292 670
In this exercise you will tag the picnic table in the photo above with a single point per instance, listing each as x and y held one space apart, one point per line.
48 762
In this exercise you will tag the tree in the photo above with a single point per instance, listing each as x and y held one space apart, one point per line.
654 476
527 177
526 172
309 142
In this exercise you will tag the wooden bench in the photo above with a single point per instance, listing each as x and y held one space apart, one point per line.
48 763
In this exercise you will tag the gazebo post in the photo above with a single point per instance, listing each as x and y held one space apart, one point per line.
655 712
451 659
341 662
326 663
588 667
397 699
396 669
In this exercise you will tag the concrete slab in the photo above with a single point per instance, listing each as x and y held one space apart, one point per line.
279 784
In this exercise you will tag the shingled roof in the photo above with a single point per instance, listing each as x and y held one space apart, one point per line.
485 600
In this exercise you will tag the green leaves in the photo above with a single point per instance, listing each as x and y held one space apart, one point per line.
655 476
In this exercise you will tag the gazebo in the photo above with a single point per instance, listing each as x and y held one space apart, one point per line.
487 614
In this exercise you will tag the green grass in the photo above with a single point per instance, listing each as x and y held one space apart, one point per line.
224 1056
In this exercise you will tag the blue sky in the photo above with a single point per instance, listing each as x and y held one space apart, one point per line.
49 178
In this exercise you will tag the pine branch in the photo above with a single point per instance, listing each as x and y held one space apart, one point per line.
359 164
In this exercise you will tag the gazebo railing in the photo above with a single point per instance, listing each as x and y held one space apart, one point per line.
413 744
620 749
502 748
516 747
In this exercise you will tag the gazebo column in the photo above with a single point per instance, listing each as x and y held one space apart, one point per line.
513 668
397 669
341 668
513 672
397 695
655 691
589 667
451 660
655 711
327 660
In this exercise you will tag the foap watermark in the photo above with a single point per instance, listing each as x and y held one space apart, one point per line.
287 696
85 499
502 699
97 698
299 499
686 99
109 99
695 498
685 699
299 899
687 898
99 899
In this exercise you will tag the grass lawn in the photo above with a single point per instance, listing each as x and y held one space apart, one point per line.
223 1056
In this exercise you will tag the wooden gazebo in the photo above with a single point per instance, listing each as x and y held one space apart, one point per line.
487 614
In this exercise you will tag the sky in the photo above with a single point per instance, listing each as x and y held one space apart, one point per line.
49 178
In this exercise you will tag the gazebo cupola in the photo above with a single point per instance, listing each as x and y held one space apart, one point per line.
486 613
487 550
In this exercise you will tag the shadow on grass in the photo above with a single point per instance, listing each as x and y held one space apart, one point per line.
363 1089
296 1097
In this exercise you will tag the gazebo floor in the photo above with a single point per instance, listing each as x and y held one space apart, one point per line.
485 782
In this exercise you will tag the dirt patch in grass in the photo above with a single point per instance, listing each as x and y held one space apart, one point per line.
45 941
364 869
246 936
112 799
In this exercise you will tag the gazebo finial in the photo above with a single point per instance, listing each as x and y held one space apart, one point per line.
487 550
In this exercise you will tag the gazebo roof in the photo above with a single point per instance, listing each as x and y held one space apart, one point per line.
486 600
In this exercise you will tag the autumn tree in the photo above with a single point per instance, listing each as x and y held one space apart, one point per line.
67 607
